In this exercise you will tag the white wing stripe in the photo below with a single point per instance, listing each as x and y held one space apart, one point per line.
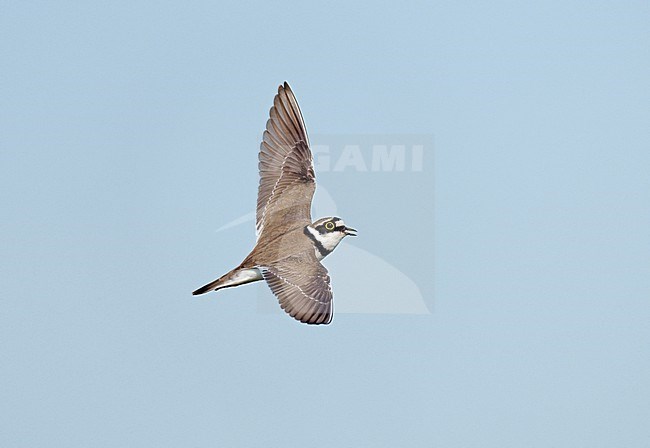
259 231
276 274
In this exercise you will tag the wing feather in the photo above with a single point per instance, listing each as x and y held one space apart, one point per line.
285 167
302 286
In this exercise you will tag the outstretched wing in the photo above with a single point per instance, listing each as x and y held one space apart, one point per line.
302 287
287 180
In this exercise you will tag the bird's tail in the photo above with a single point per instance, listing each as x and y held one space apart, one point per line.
236 277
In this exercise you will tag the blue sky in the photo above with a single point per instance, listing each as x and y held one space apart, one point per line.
129 135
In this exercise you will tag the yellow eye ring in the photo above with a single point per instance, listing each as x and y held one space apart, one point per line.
329 225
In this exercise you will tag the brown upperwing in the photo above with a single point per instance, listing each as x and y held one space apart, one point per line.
287 179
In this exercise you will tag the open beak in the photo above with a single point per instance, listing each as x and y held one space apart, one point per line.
350 231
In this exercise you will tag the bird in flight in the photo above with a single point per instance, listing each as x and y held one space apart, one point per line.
289 245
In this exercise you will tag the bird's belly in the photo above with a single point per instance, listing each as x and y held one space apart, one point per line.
241 277
248 275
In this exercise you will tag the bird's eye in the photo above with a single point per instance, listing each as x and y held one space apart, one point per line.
329 225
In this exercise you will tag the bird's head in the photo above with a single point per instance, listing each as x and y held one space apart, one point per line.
329 232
